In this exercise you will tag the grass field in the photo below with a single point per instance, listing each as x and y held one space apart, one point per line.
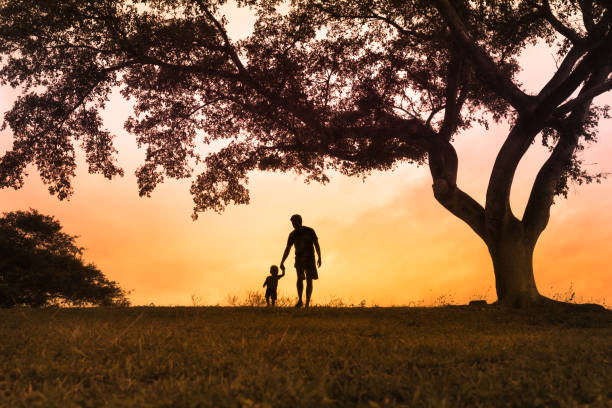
257 357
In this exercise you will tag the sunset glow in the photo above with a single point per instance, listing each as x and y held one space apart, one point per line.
384 240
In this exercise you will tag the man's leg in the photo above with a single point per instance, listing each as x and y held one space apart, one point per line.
300 288
308 291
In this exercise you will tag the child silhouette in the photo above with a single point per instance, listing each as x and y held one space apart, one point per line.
271 283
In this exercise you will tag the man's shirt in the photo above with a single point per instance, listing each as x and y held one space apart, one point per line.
303 239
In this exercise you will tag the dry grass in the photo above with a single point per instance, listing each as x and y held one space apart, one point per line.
244 356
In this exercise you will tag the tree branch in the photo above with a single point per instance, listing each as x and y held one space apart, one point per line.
587 14
81 99
542 194
461 205
371 16
561 28
443 165
564 70
595 58
537 211
497 207
500 83
584 96
197 69
399 28
453 105
228 45
432 114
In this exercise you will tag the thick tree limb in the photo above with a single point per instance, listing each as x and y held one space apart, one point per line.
392 139
485 65
461 205
453 104
537 211
497 207
595 58
542 194
443 165
586 95
564 70
587 15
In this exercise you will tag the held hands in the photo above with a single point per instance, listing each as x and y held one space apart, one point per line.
282 267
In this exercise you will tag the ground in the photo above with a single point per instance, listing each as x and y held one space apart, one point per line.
248 357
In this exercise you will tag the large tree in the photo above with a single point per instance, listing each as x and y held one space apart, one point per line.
346 85
41 265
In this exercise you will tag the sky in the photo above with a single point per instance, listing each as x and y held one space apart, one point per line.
384 240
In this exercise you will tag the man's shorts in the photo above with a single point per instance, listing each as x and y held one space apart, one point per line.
306 270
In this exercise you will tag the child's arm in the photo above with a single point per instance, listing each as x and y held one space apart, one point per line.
282 274
265 283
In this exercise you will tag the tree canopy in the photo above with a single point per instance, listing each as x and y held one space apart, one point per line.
41 265
345 85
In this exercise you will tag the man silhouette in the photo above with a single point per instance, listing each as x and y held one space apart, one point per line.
303 239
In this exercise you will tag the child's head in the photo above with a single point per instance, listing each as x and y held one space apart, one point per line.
274 270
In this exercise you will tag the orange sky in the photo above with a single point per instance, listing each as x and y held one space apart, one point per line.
385 240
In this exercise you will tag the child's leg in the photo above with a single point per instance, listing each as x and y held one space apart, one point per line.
267 300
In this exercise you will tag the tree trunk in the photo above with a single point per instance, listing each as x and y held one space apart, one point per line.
512 256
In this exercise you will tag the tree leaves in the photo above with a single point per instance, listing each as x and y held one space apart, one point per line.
352 86
42 265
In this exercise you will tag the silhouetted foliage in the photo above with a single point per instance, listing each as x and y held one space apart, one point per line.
346 85
41 265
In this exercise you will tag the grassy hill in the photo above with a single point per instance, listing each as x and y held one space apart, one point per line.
257 357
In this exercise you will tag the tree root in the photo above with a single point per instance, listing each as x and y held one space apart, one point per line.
543 302
587 307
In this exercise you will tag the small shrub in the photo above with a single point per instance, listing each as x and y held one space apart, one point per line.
232 300
196 300
443 300
568 296
335 302
254 298
258 298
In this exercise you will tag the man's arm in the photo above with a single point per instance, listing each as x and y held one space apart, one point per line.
286 253
317 248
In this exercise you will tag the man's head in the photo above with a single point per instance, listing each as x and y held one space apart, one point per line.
274 270
296 220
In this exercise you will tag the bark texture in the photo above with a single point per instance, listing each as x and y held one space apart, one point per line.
512 257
